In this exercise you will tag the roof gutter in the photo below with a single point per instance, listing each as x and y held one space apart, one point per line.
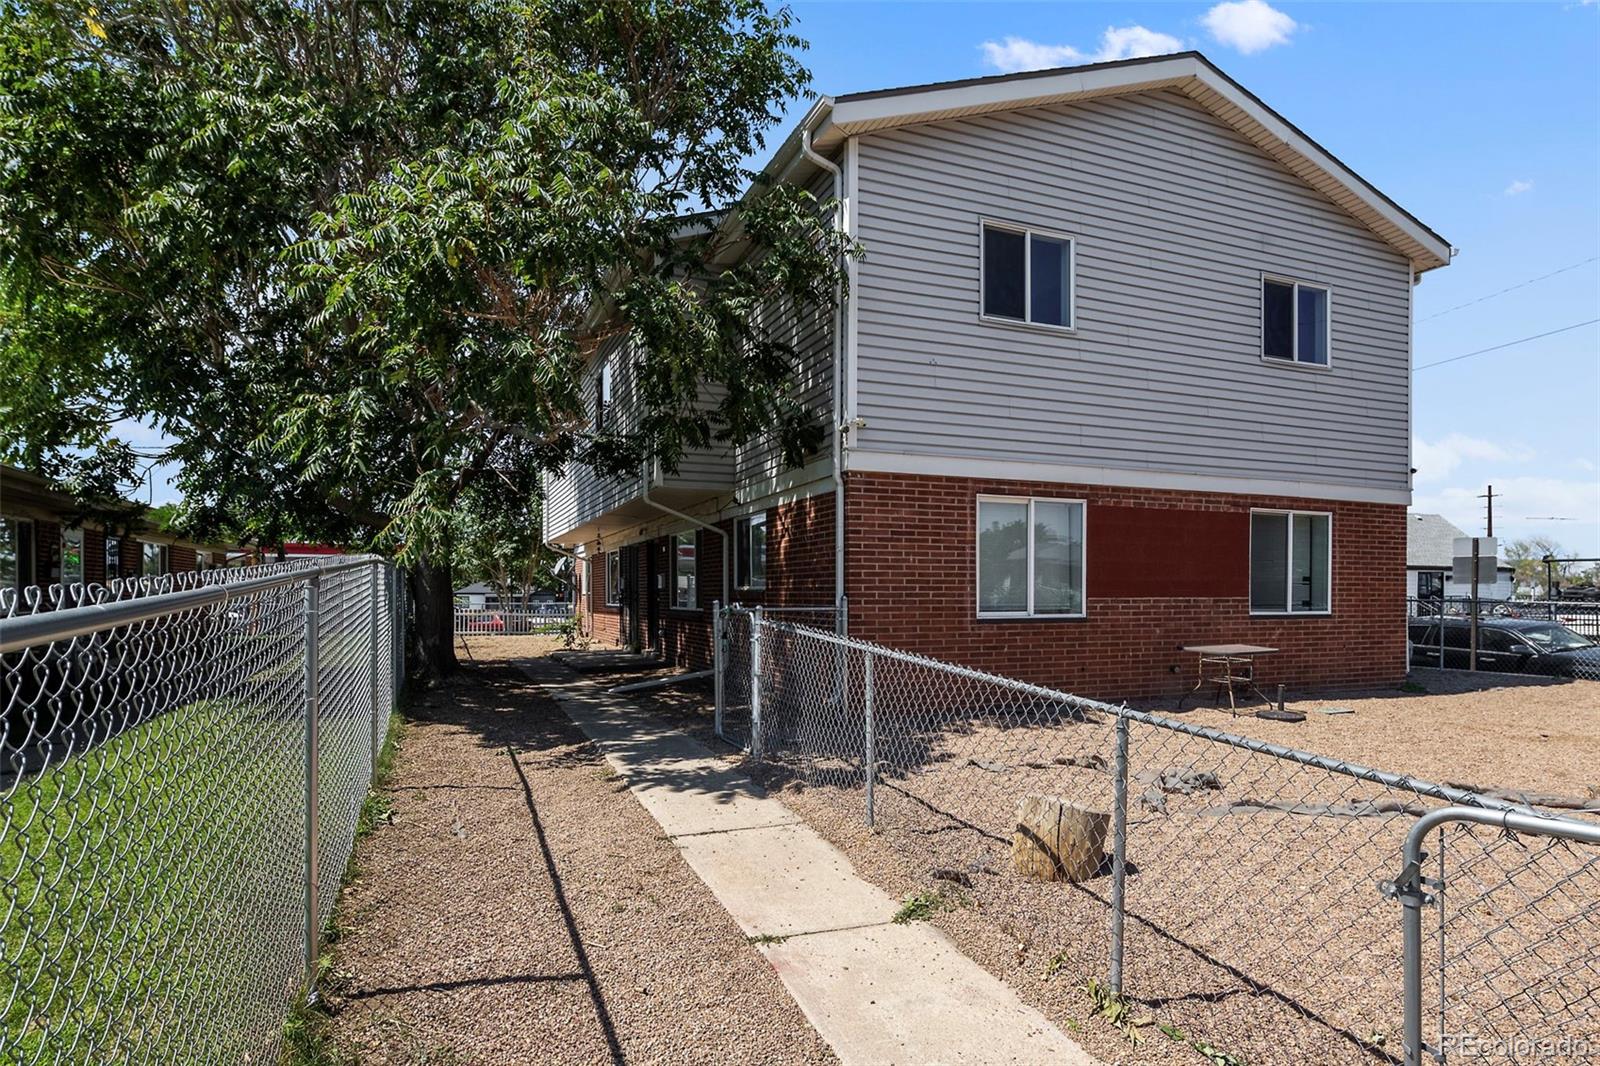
837 429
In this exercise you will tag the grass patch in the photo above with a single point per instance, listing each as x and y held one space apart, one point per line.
766 938
153 881
920 906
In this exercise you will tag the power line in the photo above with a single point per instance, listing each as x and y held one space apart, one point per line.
1507 344
1510 288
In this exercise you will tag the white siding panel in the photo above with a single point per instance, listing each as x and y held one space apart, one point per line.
1176 217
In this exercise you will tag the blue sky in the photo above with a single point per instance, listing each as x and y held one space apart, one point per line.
1481 119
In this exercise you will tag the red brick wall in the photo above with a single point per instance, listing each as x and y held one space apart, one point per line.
799 572
180 560
1163 569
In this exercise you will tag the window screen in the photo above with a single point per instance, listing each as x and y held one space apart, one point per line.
1004 273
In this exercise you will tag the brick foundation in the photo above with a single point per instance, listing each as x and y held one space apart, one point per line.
1162 569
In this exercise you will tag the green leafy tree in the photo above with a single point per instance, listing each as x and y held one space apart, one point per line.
351 256
1527 557
498 542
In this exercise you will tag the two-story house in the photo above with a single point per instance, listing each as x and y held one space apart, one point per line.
1125 365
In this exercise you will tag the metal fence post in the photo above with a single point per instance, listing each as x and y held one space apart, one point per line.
1119 854
313 694
719 661
755 684
373 617
871 767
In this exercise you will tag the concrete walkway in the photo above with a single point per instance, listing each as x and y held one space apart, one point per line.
876 992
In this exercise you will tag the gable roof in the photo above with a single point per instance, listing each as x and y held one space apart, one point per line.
1430 540
831 120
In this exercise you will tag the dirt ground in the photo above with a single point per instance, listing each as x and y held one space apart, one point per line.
523 908
1255 925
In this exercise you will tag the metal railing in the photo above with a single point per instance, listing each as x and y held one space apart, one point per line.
1238 902
182 769
513 621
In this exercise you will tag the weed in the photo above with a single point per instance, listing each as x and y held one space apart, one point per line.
307 1039
1057 962
920 906
1114 1008
1172 1032
766 938
1214 1055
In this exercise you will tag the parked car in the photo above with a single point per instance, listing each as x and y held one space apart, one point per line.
1515 645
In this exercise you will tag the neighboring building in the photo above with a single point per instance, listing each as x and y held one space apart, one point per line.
1430 558
44 542
1125 366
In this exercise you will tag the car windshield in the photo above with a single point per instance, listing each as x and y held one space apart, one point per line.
1554 638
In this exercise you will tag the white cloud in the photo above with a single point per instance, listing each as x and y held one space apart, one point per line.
1118 42
1524 506
1438 460
1518 187
1249 25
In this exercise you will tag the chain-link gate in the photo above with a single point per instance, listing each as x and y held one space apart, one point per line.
182 767
731 625
1239 896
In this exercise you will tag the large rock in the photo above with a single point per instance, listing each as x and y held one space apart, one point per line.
1058 841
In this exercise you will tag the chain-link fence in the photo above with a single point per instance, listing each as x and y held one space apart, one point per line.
183 764
1544 638
731 661
1229 886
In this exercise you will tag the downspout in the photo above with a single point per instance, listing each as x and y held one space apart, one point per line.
644 494
836 436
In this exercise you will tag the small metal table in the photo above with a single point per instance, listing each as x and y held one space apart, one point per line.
1226 665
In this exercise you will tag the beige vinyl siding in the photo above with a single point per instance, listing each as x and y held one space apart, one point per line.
809 332
1175 218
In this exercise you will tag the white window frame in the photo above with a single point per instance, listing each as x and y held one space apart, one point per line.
694 571
977 585
1294 323
742 549
163 556
68 533
1028 233
614 585
1288 564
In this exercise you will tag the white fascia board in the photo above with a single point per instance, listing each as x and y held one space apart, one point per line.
926 105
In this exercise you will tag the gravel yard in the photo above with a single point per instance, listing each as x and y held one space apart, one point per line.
1255 923
523 908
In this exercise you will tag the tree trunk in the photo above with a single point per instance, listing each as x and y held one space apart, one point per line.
433 646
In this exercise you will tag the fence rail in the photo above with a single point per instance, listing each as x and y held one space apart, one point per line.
514 621
1240 897
182 767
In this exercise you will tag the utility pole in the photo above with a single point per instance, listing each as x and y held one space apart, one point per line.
1489 496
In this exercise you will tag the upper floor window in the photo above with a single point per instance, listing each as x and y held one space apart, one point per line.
1030 557
1291 557
1027 275
1294 321
750 552
685 596
602 398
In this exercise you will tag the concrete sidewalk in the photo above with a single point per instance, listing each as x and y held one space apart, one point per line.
876 992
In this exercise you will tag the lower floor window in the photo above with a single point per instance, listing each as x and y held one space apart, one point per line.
1030 557
154 561
113 558
613 579
750 552
1430 585
1291 556
684 593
